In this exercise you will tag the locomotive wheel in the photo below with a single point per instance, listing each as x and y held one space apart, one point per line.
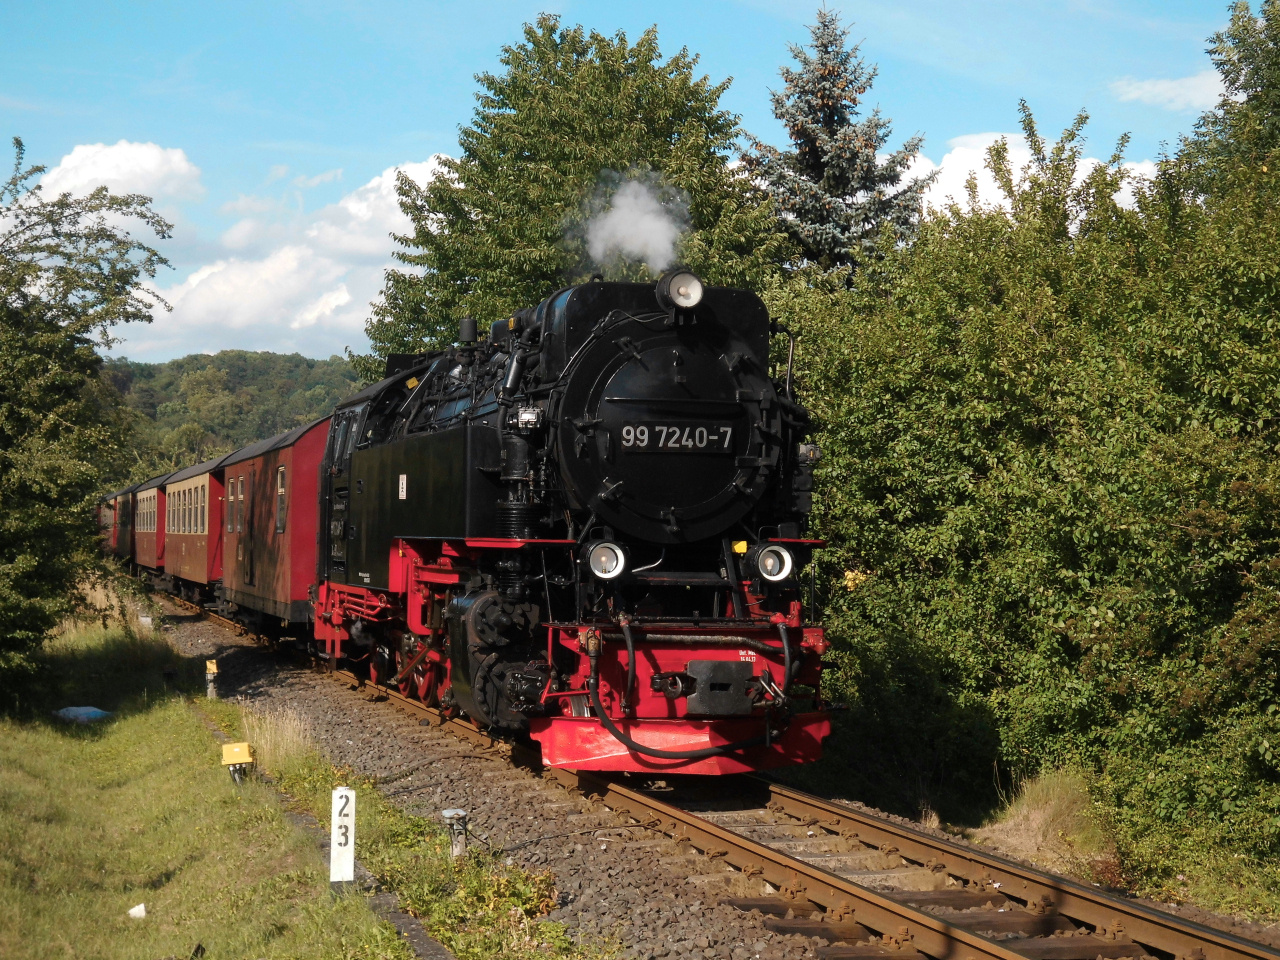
423 682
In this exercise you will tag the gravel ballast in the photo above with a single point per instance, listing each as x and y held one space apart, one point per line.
617 882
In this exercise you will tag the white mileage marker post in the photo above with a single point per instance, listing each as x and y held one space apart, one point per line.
342 840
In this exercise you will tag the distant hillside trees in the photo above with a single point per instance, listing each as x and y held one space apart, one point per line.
201 405
70 271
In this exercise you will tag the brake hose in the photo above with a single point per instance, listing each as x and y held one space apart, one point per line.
626 741
631 664
786 658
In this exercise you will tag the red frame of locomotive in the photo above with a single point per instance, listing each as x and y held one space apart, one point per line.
421 575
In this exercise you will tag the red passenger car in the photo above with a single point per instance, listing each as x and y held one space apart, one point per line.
193 554
269 523
148 525
119 506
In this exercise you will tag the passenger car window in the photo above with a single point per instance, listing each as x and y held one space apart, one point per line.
280 500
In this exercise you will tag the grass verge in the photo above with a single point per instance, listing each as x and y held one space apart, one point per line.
1055 822
479 906
136 809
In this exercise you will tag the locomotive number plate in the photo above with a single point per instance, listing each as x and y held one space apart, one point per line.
677 437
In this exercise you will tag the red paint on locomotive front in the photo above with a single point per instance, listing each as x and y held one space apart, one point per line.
574 739
422 573
582 743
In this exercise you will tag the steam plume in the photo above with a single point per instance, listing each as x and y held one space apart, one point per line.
636 220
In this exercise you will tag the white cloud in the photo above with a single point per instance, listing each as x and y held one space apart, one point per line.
125 167
324 306
968 154
1199 92
306 183
288 280
249 203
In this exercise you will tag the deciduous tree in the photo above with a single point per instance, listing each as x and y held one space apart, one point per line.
1243 132
501 226
69 272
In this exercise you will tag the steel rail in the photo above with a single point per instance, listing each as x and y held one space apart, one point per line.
1144 924
905 929
908 927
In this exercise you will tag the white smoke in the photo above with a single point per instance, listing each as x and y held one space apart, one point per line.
641 222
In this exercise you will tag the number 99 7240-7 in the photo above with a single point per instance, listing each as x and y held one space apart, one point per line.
677 437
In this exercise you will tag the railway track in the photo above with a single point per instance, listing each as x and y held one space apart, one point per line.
866 886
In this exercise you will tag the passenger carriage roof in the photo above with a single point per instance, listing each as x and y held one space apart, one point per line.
279 441
121 492
188 472
153 482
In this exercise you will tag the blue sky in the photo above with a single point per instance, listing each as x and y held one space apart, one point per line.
268 131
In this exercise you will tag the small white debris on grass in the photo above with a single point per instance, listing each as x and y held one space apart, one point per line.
139 911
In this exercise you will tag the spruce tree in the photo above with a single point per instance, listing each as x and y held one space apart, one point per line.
835 195
501 227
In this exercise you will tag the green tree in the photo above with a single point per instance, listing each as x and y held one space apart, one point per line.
834 193
1052 496
501 226
69 272
197 406
1243 131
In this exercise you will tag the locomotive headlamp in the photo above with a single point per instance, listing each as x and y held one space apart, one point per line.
679 289
774 563
608 561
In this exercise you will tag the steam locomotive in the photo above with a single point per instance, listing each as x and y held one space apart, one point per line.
587 529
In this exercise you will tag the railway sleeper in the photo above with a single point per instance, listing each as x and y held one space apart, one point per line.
774 906
833 932
867 951
859 860
895 880
956 898
1085 947
780 831
1024 922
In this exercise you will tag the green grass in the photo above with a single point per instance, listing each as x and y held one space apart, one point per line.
94 820
479 906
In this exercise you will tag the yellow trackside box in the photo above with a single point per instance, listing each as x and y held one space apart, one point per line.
233 753
211 667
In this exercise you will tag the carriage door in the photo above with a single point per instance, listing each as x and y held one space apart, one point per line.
247 487
343 434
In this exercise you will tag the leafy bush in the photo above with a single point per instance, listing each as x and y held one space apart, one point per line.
1051 491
